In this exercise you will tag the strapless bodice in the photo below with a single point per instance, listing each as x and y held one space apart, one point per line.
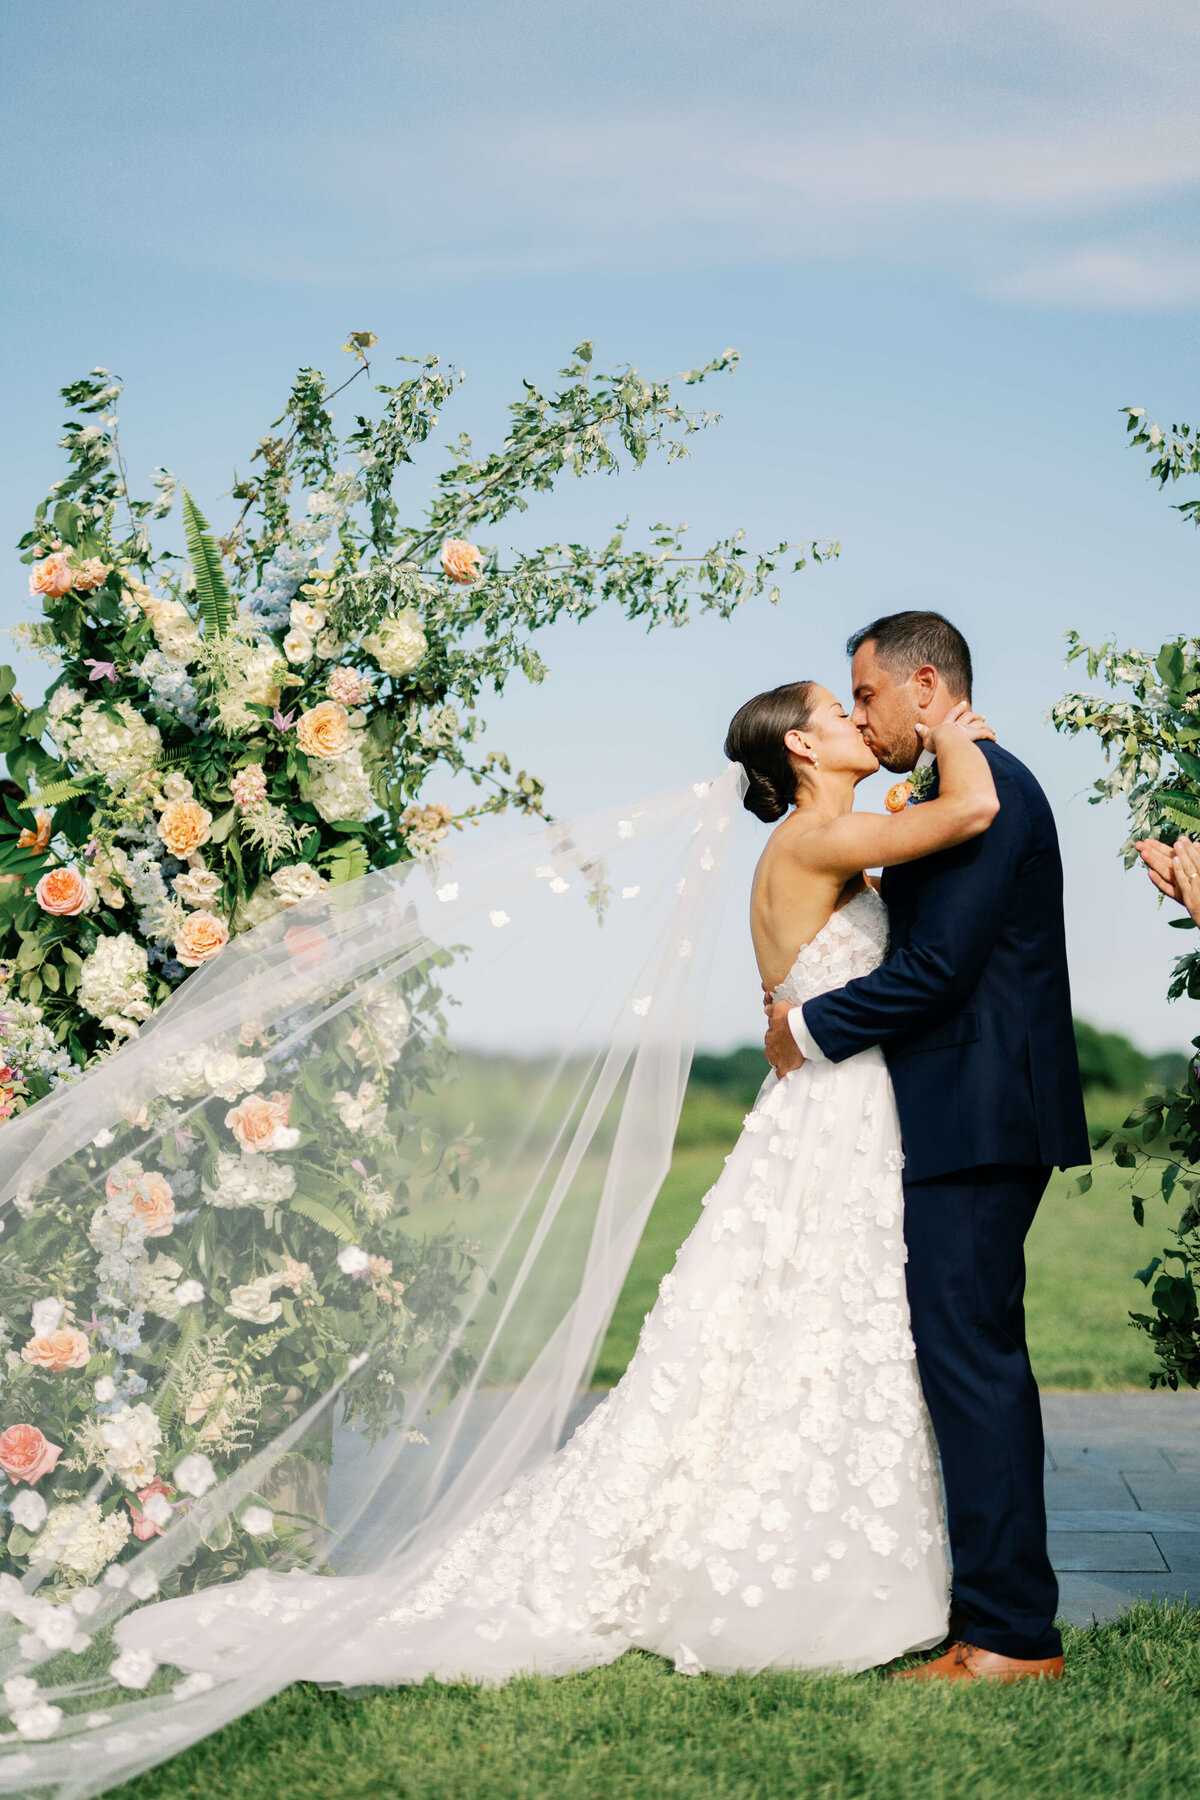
852 941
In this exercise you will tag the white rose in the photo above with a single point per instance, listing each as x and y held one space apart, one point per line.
397 644
297 882
189 1293
176 786
198 887
329 645
297 646
195 1474
306 617
221 1073
28 1509
253 1302
130 1437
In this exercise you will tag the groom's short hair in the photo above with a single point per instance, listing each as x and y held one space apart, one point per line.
905 640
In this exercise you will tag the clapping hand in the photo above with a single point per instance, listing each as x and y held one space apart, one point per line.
1175 871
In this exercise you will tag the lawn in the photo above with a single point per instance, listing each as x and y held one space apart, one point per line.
1082 1253
1124 1723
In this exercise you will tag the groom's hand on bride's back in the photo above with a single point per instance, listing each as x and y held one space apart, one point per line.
781 1049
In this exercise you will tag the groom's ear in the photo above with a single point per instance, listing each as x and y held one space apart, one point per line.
926 684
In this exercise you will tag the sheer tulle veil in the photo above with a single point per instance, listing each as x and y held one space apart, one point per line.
308 1273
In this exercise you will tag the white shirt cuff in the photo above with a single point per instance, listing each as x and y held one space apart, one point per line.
805 1040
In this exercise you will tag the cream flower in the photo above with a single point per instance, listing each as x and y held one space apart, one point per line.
198 887
297 647
57 1351
324 730
341 789
119 749
253 1301
113 981
348 687
90 573
242 1181
397 644
306 617
130 1437
77 1536
176 786
150 1195
297 882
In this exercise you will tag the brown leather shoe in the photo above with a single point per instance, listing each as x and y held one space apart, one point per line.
967 1662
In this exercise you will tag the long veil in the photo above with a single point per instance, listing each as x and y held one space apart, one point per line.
302 1278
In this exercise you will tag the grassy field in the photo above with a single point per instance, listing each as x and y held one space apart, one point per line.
1082 1253
1124 1723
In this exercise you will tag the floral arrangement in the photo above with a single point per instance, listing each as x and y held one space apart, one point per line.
225 737
1148 726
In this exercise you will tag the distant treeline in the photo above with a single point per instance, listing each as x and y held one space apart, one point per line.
1108 1062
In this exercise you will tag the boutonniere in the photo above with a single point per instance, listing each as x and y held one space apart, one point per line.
918 787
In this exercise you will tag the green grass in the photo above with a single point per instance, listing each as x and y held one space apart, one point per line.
1082 1254
1123 1723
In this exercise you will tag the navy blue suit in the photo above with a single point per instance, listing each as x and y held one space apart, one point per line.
973 1010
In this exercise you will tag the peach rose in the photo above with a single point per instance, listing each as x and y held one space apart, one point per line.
144 1528
200 937
54 577
183 826
898 797
54 1351
90 573
461 561
324 730
25 1455
260 1123
305 944
63 892
36 840
152 1201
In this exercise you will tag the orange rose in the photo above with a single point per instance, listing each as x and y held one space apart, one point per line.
183 826
54 577
25 1455
200 937
324 730
260 1123
54 1351
898 797
305 944
461 561
36 840
63 892
152 1201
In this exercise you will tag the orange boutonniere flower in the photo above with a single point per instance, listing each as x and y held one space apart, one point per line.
898 797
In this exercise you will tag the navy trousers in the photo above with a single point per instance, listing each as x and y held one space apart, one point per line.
966 1291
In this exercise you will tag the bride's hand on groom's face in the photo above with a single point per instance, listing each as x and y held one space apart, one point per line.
973 724
780 1048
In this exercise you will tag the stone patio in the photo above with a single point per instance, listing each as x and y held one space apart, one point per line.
1122 1499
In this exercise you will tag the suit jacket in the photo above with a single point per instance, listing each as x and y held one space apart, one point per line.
973 1004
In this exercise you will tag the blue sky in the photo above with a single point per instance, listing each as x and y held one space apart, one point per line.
950 242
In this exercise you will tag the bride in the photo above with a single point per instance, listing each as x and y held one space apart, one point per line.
761 1488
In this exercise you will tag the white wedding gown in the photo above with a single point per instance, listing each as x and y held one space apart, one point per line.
761 1488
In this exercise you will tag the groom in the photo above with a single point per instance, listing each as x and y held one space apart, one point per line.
973 1011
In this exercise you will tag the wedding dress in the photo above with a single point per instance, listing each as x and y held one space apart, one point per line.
760 1490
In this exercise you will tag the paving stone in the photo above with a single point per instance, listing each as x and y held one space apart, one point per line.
1115 1457
1129 1552
1084 1598
1069 1491
1164 1491
1181 1552
1152 1520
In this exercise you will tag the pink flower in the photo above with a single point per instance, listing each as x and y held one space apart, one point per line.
91 573
25 1455
54 577
348 687
143 1527
249 787
305 944
63 892
461 561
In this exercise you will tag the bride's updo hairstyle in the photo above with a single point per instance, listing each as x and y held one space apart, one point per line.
755 739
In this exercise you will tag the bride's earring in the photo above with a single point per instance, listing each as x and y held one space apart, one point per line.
816 762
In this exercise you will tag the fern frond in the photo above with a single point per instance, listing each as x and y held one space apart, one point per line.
54 795
212 591
335 1222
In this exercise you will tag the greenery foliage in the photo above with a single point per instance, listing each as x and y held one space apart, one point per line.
1148 727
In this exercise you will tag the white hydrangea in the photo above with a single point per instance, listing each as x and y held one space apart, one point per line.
62 722
341 789
130 1437
113 985
257 907
119 751
397 644
253 679
157 1288
182 1075
77 1536
250 1181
